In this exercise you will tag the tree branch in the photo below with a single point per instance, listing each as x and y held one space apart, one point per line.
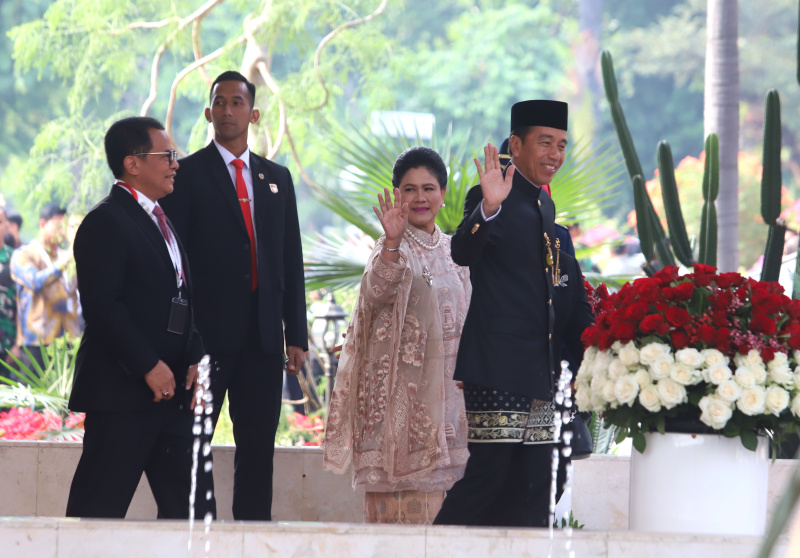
329 37
198 14
198 49
145 25
310 181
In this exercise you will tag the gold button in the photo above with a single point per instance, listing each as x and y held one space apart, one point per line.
540 203
550 302
475 228
549 335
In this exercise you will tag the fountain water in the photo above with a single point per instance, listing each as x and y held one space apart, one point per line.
202 430
562 416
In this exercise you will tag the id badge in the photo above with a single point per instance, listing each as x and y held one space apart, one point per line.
178 316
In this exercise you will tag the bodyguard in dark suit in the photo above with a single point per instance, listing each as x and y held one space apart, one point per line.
137 362
527 299
237 216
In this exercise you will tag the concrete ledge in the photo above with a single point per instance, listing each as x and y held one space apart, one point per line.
37 475
67 538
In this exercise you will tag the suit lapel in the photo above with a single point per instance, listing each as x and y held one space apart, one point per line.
222 178
145 223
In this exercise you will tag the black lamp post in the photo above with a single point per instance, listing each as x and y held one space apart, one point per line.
335 319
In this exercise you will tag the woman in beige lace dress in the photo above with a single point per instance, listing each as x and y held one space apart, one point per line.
396 414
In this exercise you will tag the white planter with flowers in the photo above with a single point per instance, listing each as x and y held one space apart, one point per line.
718 352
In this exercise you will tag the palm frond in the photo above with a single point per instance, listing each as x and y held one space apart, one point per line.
334 262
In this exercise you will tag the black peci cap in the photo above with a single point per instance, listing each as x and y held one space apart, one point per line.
552 114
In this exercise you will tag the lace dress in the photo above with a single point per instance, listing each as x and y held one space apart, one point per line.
396 414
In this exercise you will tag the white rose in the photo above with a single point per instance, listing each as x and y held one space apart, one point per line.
717 374
598 402
616 346
781 374
585 370
660 368
601 362
752 401
797 377
729 390
583 397
714 357
715 412
597 383
780 360
608 392
760 374
681 374
671 393
643 377
777 400
795 408
629 354
796 355
745 377
752 358
649 353
648 397
617 369
690 357
626 389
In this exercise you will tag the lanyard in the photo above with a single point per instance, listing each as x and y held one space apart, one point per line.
172 244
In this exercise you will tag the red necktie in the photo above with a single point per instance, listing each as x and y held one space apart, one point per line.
165 232
546 188
244 203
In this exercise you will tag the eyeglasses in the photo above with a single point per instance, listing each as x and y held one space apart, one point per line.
172 155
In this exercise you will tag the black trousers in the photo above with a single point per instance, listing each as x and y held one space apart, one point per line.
119 446
504 485
253 381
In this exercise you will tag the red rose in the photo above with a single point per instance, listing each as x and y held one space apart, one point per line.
703 269
706 334
762 324
625 331
681 292
679 339
654 324
637 311
728 280
678 316
767 354
667 275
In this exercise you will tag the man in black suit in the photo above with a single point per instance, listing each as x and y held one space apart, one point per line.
237 216
527 299
133 377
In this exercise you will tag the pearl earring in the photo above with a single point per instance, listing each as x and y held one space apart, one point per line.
442 205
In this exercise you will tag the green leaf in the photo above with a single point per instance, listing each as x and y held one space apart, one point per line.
621 435
639 441
749 440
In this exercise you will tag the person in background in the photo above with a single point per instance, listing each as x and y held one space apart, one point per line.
396 413
8 299
11 237
626 259
47 291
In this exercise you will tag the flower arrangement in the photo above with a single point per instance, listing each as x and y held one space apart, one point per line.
27 424
719 348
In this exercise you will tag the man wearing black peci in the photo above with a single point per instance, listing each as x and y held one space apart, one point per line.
136 366
527 300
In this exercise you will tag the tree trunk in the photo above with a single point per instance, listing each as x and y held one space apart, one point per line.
721 116
587 58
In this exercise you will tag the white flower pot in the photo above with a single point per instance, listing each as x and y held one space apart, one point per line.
699 483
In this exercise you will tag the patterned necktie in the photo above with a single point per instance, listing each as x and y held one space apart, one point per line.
165 232
244 203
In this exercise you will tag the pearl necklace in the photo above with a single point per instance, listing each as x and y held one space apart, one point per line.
425 244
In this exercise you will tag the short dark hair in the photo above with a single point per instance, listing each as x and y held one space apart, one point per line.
521 132
415 157
127 137
15 218
51 210
232 75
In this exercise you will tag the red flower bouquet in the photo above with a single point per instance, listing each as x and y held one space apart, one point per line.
719 348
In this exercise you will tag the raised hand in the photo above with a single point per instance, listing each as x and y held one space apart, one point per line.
494 186
393 217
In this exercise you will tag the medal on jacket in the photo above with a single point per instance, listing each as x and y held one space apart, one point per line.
555 270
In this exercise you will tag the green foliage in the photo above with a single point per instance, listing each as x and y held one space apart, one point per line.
708 218
771 182
568 522
41 387
672 205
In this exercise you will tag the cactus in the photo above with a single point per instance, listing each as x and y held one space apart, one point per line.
771 188
672 205
708 223
645 213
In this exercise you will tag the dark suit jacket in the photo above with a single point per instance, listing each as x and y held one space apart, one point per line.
205 211
126 281
507 339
